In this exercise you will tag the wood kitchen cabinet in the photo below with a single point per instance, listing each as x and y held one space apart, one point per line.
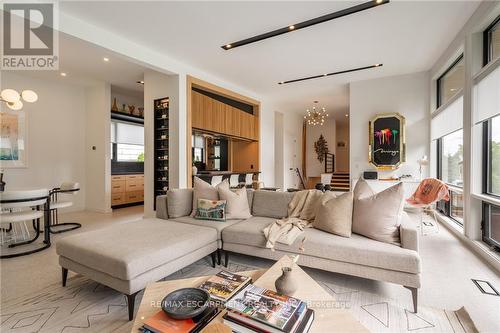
127 189
212 115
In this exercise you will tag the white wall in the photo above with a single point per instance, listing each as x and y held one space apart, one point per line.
314 167
55 135
292 147
98 149
405 94
279 153
342 153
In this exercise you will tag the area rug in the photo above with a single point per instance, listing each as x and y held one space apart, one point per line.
86 306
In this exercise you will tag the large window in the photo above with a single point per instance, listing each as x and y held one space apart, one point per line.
491 225
450 158
450 82
492 41
492 153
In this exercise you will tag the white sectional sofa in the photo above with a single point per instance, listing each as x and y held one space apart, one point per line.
128 256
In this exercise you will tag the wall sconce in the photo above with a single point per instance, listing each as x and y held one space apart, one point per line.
13 99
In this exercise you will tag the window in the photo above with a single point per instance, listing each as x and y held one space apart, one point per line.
491 172
491 225
127 142
491 41
457 207
450 82
450 158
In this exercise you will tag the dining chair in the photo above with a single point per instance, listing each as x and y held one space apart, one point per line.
18 208
216 180
234 181
66 190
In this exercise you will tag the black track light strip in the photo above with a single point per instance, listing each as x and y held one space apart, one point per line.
305 24
332 73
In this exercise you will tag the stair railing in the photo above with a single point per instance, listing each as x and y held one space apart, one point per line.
329 163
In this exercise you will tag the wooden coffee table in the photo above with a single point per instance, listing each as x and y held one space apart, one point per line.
327 317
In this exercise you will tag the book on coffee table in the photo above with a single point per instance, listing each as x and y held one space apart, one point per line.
223 285
265 310
241 327
162 323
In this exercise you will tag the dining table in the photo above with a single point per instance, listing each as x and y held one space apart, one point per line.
16 199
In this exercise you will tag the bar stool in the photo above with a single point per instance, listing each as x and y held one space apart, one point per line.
18 207
67 188
216 180
234 181
248 180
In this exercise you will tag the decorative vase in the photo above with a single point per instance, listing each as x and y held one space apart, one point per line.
286 284
195 170
114 107
2 183
131 109
141 111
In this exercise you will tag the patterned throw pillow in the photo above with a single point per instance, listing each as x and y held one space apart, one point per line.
211 210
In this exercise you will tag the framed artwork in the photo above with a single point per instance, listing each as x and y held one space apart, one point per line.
12 139
387 147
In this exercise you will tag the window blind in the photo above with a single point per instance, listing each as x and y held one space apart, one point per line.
129 134
486 96
449 120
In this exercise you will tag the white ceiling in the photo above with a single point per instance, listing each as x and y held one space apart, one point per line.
405 36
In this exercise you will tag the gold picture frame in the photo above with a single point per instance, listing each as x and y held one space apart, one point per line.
387 141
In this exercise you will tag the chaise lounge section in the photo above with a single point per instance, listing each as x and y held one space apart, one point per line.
128 256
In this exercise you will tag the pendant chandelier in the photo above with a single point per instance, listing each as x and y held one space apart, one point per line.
316 115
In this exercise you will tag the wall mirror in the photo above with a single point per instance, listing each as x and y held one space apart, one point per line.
387 150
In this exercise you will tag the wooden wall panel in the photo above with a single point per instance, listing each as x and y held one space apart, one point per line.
245 155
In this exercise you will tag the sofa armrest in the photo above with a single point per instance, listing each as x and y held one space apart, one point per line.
161 207
408 233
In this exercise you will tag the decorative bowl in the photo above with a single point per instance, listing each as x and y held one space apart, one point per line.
185 303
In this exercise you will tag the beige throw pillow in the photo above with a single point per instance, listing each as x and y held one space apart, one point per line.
236 201
335 215
203 190
362 189
379 216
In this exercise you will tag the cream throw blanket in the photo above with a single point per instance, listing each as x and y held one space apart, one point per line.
301 212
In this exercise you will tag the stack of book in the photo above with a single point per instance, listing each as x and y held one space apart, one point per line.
225 285
256 309
162 323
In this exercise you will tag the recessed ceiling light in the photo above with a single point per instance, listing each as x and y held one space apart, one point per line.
105 59
63 74
140 82
330 74
346 115
305 24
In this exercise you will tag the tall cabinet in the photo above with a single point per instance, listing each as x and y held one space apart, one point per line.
161 158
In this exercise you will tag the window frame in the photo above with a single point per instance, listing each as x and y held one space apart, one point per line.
487 160
485 223
118 167
438 85
439 164
487 51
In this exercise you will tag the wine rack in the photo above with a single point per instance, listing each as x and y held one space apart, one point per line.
161 146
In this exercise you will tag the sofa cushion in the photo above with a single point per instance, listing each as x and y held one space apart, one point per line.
217 225
236 201
335 215
129 249
211 210
202 190
271 204
179 202
357 249
379 216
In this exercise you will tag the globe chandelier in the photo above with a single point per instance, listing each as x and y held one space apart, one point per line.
316 115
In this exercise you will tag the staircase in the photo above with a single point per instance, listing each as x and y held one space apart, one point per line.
340 181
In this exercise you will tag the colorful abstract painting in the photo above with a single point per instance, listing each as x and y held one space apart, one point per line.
12 139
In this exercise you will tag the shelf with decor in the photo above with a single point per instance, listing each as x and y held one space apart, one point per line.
161 134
